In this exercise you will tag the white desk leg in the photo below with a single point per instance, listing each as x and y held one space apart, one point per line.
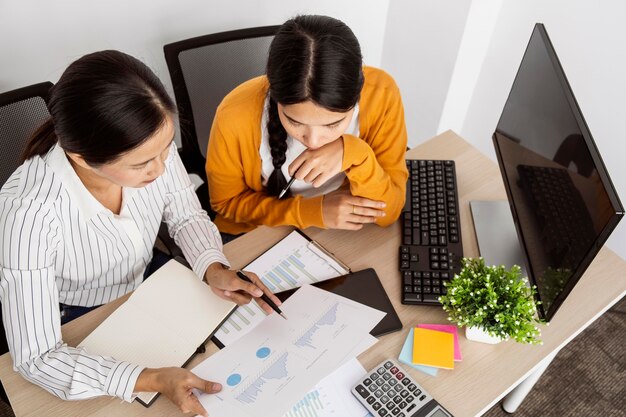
514 398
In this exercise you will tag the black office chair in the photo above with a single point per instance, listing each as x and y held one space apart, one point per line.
22 111
203 70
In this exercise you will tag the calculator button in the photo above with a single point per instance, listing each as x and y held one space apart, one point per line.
401 415
392 382
376 406
362 391
388 365
394 370
378 393
402 404
410 399
384 399
370 399
404 394
395 411
422 397
412 406
382 412
398 399
412 386
386 376
406 381
374 376
400 375
367 381
380 381
417 392
386 387
380 370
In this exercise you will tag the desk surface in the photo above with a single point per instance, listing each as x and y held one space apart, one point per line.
487 372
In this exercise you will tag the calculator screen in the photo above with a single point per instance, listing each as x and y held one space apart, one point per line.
439 413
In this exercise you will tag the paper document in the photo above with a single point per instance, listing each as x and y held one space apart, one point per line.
291 263
332 397
162 323
279 360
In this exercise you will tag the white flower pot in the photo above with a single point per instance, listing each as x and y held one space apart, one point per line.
477 334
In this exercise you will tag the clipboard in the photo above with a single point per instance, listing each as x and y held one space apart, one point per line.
294 260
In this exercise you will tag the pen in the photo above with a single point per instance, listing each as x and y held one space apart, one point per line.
284 190
264 297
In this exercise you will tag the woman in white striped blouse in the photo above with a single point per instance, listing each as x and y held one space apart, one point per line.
78 221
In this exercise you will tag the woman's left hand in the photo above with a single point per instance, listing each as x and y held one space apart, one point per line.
316 166
226 284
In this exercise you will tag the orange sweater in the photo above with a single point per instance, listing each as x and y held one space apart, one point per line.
374 163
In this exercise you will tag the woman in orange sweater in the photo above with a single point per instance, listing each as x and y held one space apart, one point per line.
318 115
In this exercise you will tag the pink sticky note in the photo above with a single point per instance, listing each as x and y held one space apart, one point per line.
448 328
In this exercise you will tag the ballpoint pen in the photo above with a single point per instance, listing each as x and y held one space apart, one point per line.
286 188
264 297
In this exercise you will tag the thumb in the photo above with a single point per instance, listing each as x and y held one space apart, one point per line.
207 386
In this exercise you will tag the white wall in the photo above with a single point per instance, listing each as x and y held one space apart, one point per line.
421 46
589 38
38 39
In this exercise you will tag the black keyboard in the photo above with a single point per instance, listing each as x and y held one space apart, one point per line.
431 250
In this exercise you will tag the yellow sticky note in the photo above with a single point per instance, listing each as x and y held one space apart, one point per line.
433 348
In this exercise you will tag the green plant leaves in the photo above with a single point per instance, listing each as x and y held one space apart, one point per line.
493 298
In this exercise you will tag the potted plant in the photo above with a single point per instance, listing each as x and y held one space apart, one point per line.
494 301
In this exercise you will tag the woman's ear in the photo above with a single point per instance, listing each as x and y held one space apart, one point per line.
78 160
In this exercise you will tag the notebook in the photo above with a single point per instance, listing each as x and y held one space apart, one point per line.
162 323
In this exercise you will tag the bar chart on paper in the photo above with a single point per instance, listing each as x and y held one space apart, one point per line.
291 263
331 397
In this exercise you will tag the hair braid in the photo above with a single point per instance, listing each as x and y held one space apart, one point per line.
278 147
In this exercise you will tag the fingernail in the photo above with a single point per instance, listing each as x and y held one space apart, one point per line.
217 386
383 205
227 293
258 293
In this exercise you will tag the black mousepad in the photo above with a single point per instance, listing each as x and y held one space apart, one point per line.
364 287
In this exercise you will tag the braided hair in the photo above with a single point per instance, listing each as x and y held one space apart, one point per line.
314 58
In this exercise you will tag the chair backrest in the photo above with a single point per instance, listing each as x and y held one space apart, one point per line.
204 70
22 111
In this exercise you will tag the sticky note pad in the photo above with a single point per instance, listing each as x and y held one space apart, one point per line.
433 348
406 356
449 328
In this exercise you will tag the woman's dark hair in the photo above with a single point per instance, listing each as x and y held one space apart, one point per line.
314 58
105 104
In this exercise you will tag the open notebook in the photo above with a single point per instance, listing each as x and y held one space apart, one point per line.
162 323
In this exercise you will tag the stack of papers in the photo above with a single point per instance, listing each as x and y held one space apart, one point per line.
280 361
429 347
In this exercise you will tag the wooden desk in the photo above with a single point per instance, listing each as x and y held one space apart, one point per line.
487 373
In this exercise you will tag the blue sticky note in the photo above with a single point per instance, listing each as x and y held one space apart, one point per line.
406 356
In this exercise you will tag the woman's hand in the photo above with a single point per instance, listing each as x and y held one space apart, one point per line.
316 166
177 385
226 284
342 210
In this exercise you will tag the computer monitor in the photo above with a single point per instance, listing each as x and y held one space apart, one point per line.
563 203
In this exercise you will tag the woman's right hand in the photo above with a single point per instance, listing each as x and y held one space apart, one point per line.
342 210
177 385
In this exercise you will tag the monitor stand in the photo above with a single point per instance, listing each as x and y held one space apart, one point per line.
496 234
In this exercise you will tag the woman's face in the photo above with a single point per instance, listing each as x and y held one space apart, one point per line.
142 165
312 125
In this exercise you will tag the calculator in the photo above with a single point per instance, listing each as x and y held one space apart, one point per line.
389 391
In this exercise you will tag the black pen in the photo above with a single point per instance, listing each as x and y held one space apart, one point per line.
264 297
286 188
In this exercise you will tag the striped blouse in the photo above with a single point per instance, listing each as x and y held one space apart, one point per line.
60 245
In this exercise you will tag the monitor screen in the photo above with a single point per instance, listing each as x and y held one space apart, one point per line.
563 202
